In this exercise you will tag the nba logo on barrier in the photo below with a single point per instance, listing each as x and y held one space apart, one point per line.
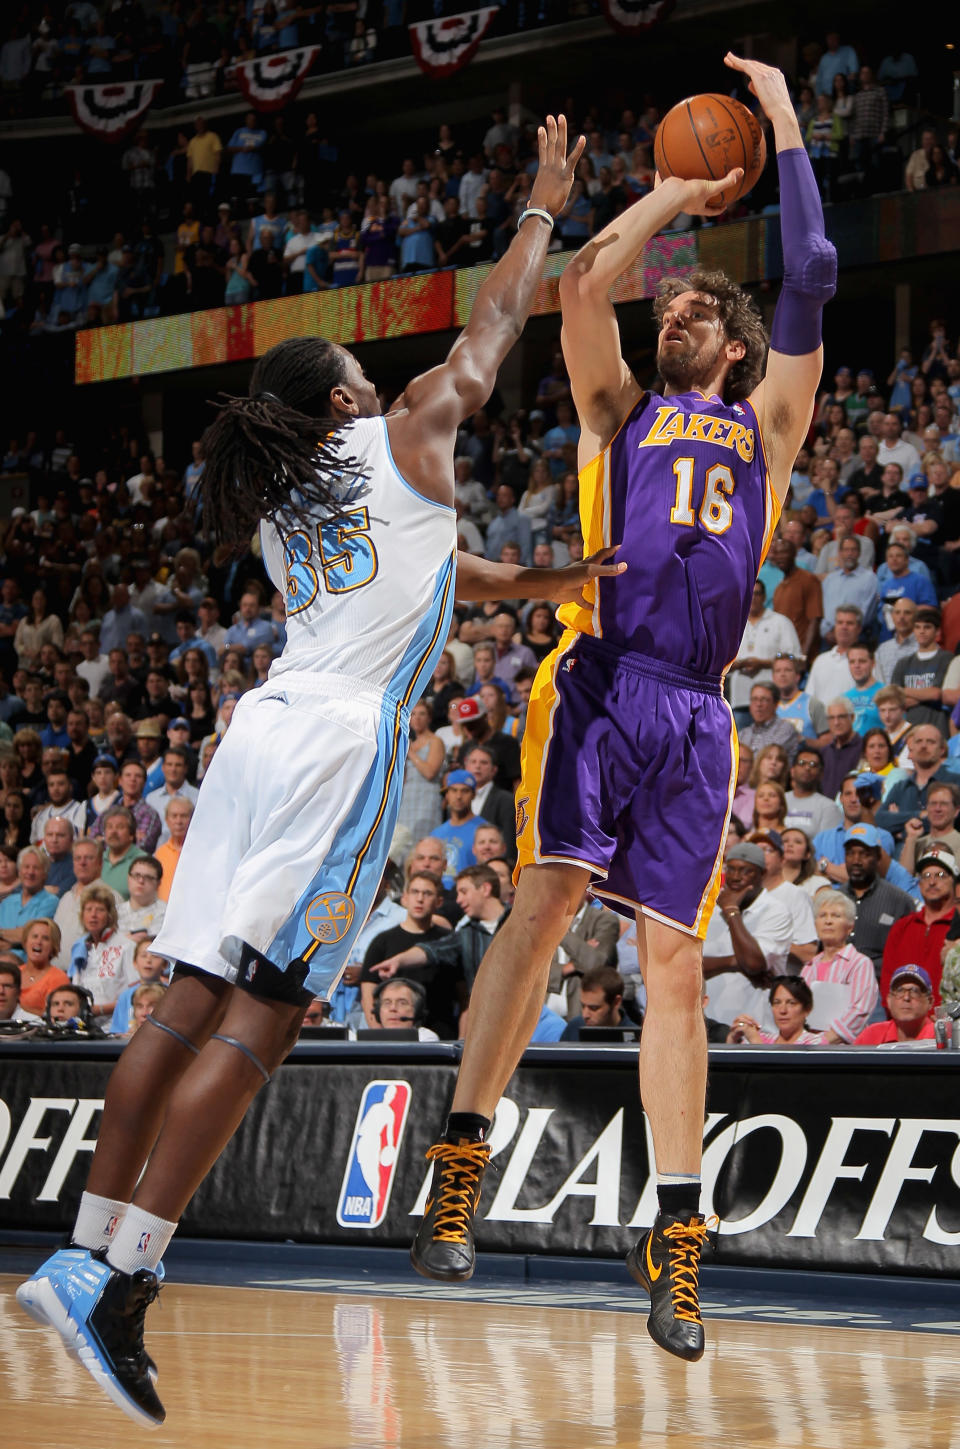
374 1151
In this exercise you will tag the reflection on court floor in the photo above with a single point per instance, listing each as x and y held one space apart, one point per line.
334 1370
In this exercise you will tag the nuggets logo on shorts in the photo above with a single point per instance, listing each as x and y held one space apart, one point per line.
329 917
374 1151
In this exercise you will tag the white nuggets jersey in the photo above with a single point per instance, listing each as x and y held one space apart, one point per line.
294 822
369 597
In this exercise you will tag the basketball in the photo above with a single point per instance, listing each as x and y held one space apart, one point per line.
704 137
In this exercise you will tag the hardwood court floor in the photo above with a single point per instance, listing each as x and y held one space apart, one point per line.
276 1369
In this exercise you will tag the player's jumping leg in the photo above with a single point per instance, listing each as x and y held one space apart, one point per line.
504 1006
108 1297
138 1092
673 1079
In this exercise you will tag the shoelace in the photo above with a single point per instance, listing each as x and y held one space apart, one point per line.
461 1169
686 1243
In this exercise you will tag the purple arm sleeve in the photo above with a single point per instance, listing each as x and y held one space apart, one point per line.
809 260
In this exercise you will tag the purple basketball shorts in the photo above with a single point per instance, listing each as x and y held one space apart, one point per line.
628 768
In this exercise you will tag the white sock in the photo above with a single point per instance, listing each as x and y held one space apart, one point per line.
141 1241
676 1179
97 1221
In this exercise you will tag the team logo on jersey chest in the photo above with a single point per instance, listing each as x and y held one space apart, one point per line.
671 426
329 917
374 1153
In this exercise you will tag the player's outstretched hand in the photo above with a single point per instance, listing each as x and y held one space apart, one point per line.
768 84
572 580
554 178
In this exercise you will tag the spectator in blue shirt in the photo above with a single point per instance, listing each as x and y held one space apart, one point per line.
509 526
54 732
896 581
250 630
269 220
101 283
848 584
190 639
837 60
550 1027
555 439
193 470
417 250
316 269
27 903
245 148
459 829
865 716
121 620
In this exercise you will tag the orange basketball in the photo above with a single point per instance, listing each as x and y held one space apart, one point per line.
703 138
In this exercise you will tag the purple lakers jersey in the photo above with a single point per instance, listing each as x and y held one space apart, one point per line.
683 489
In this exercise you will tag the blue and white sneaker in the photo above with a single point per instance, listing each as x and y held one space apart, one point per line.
36 1296
39 1298
99 1313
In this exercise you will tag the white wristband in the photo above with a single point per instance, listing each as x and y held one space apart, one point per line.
534 211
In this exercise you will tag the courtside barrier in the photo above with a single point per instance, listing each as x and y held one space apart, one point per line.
829 1159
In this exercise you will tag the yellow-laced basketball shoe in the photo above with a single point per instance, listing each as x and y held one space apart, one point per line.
443 1247
666 1262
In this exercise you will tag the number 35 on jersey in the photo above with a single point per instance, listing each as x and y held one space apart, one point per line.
342 556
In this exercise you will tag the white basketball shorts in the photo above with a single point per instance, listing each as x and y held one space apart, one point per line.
291 831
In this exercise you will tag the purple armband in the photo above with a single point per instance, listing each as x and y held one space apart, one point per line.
809 260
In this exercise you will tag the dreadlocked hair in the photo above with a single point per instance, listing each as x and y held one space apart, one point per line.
740 320
278 453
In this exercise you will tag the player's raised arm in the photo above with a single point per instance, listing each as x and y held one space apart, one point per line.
602 384
440 399
784 400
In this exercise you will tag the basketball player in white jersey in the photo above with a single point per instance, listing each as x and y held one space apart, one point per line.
294 821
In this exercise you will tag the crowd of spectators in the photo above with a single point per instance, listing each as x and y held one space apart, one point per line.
194 48
126 641
225 214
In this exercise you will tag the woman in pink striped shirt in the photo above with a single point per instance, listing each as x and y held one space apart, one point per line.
842 979
791 1002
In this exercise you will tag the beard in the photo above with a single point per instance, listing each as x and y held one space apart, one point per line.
682 366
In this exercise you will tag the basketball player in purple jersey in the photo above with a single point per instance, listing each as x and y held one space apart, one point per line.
630 756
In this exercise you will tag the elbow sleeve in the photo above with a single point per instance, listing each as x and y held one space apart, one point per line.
809 259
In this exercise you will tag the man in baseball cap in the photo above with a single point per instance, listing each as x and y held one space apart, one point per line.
878 902
149 739
919 938
178 734
748 938
473 719
461 825
909 1001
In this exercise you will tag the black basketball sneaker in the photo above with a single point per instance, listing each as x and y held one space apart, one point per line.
666 1262
99 1313
443 1248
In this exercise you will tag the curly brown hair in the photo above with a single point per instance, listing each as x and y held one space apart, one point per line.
740 319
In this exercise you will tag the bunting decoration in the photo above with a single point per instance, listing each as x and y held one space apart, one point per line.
443 46
272 81
111 112
633 17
